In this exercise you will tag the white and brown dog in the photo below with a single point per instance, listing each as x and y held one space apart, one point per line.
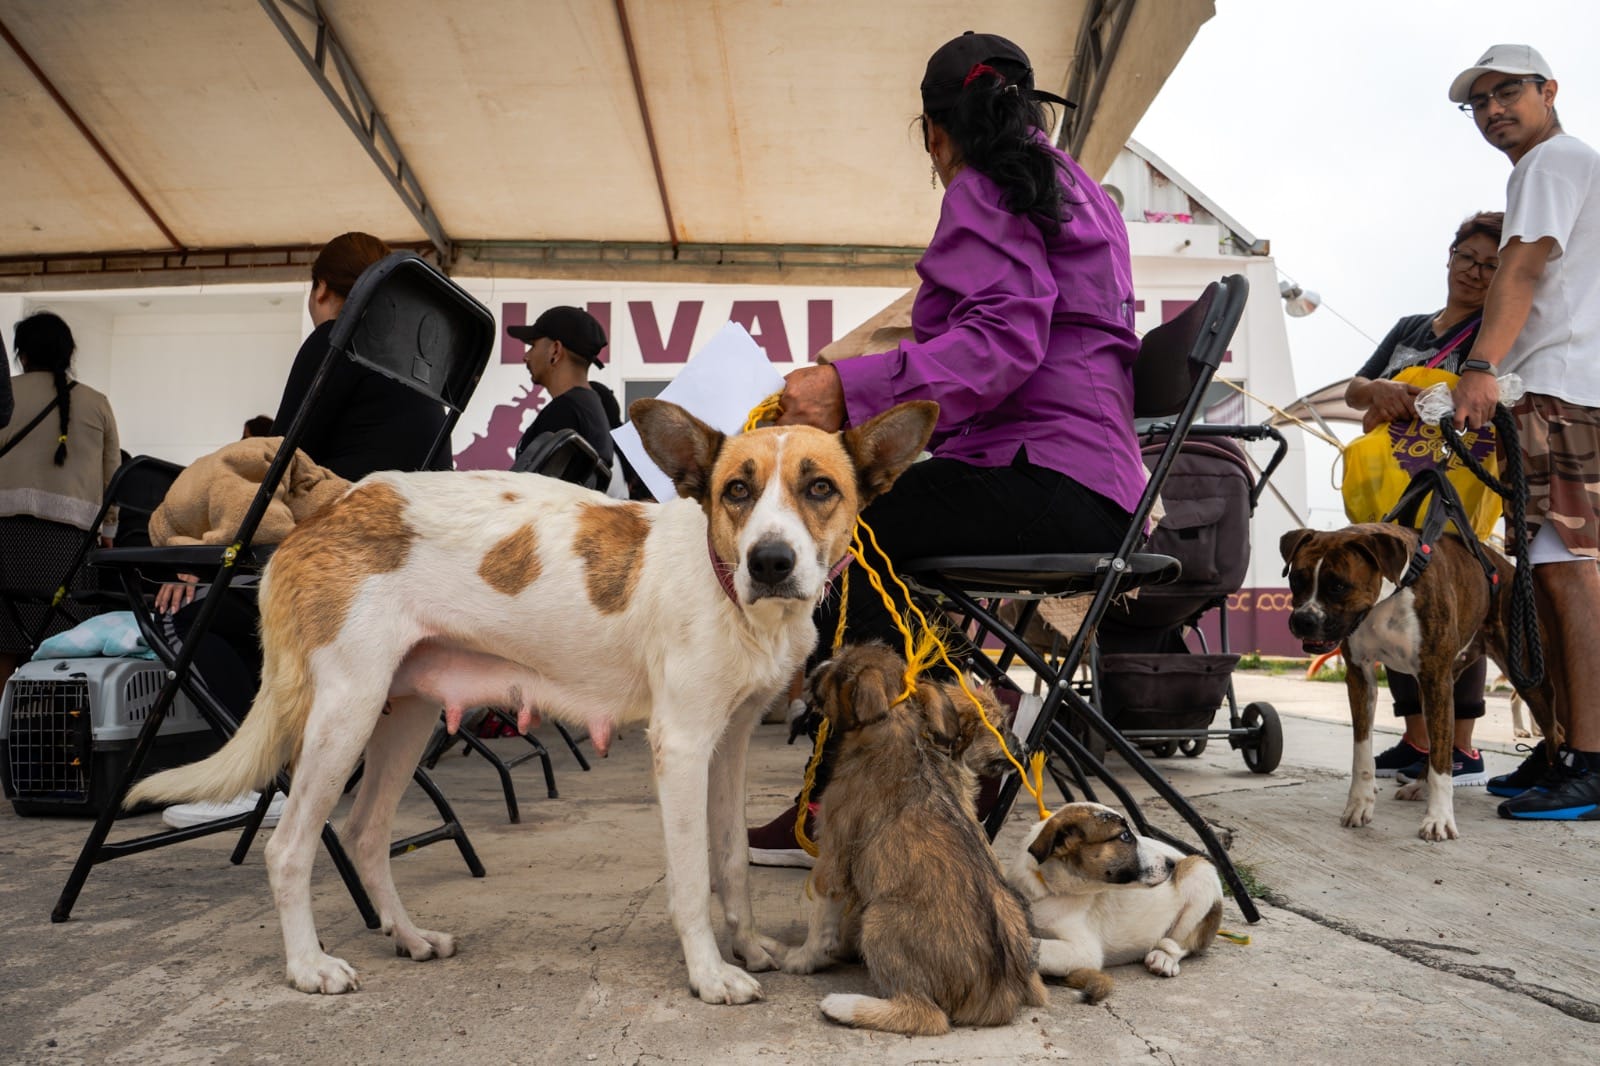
1102 895
417 591
1347 595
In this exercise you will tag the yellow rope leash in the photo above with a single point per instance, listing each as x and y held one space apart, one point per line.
844 603
805 792
765 411
1035 790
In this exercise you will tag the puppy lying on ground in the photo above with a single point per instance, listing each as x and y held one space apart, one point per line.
901 852
1103 896
209 499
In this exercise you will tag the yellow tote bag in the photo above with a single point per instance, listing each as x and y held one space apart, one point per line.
1379 465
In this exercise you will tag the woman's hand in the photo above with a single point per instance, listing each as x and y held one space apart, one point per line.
176 594
813 396
1386 401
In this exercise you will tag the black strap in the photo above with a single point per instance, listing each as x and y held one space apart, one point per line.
1444 507
40 417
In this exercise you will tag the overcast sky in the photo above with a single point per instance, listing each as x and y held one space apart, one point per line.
1325 128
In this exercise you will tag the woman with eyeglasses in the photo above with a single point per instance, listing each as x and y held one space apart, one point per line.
1441 339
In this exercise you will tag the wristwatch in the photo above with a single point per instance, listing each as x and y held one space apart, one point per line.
1478 364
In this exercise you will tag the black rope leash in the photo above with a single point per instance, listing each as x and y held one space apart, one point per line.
1523 648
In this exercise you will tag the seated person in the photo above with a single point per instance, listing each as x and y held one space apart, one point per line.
1023 333
563 343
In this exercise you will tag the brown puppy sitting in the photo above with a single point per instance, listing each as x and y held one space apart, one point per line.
900 850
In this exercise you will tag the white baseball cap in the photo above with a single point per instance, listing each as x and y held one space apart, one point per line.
1499 59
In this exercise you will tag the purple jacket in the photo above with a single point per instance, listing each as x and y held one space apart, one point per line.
1025 340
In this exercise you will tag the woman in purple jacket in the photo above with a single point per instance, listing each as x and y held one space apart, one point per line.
1023 334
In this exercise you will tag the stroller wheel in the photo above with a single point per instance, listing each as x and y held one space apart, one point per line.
1264 749
1165 749
1192 748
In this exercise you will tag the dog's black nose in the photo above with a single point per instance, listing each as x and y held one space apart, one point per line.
771 562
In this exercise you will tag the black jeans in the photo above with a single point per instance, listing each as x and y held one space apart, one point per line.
1468 694
947 507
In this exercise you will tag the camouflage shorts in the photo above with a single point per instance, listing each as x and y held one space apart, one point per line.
1561 452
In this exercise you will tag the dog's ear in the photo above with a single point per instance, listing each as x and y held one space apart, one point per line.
1290 543
943 720
868 693
884 446
684 447
1389 551
1050 837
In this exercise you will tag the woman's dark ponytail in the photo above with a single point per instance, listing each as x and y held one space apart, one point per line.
992 125
45 341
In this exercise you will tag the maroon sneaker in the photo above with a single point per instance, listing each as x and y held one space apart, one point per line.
774 844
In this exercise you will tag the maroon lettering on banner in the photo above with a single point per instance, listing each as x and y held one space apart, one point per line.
819 326
1171 309
763 319
511 349
648 331
1258 620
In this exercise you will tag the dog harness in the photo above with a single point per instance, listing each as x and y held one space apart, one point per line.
1445 507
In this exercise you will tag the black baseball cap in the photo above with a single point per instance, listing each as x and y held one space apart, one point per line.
576 329
954 64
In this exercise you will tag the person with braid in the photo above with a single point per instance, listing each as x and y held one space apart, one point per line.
1023 333
56 457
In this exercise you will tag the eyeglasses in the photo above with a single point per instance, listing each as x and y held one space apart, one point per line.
1464 262
1505 94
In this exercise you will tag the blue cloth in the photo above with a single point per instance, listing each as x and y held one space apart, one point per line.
111 636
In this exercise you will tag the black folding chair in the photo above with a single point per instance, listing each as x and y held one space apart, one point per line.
1176 362
566 456
406 321
135 490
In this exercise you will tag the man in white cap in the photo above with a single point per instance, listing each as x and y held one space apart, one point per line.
1542 322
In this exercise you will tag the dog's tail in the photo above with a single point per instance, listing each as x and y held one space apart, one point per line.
907 1014
270 735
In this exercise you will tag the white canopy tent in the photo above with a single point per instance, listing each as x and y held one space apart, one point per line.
168 142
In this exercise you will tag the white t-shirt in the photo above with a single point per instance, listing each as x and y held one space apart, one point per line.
1554 191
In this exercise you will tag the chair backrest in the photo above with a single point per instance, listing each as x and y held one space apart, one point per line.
1176 362
407 321
1176 353
565 455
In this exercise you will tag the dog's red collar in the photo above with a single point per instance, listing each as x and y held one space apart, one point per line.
724 572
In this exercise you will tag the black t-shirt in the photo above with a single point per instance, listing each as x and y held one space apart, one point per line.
1411 342
362 421
577 408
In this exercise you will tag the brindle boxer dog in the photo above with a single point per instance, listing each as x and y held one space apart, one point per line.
1346 595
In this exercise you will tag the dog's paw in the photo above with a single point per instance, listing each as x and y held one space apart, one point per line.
1096 985
324 974
423 944
1161 963
1436 827
725 984
1358 811
841 1007
758 953
1413 790
807 959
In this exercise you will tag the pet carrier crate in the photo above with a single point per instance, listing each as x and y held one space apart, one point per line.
67 727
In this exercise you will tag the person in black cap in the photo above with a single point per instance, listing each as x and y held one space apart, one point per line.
562 344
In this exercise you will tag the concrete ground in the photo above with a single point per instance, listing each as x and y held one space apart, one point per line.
1374 945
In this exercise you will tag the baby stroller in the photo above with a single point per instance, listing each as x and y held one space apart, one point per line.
1150 685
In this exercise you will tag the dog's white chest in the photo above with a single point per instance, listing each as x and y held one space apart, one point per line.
1390 634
